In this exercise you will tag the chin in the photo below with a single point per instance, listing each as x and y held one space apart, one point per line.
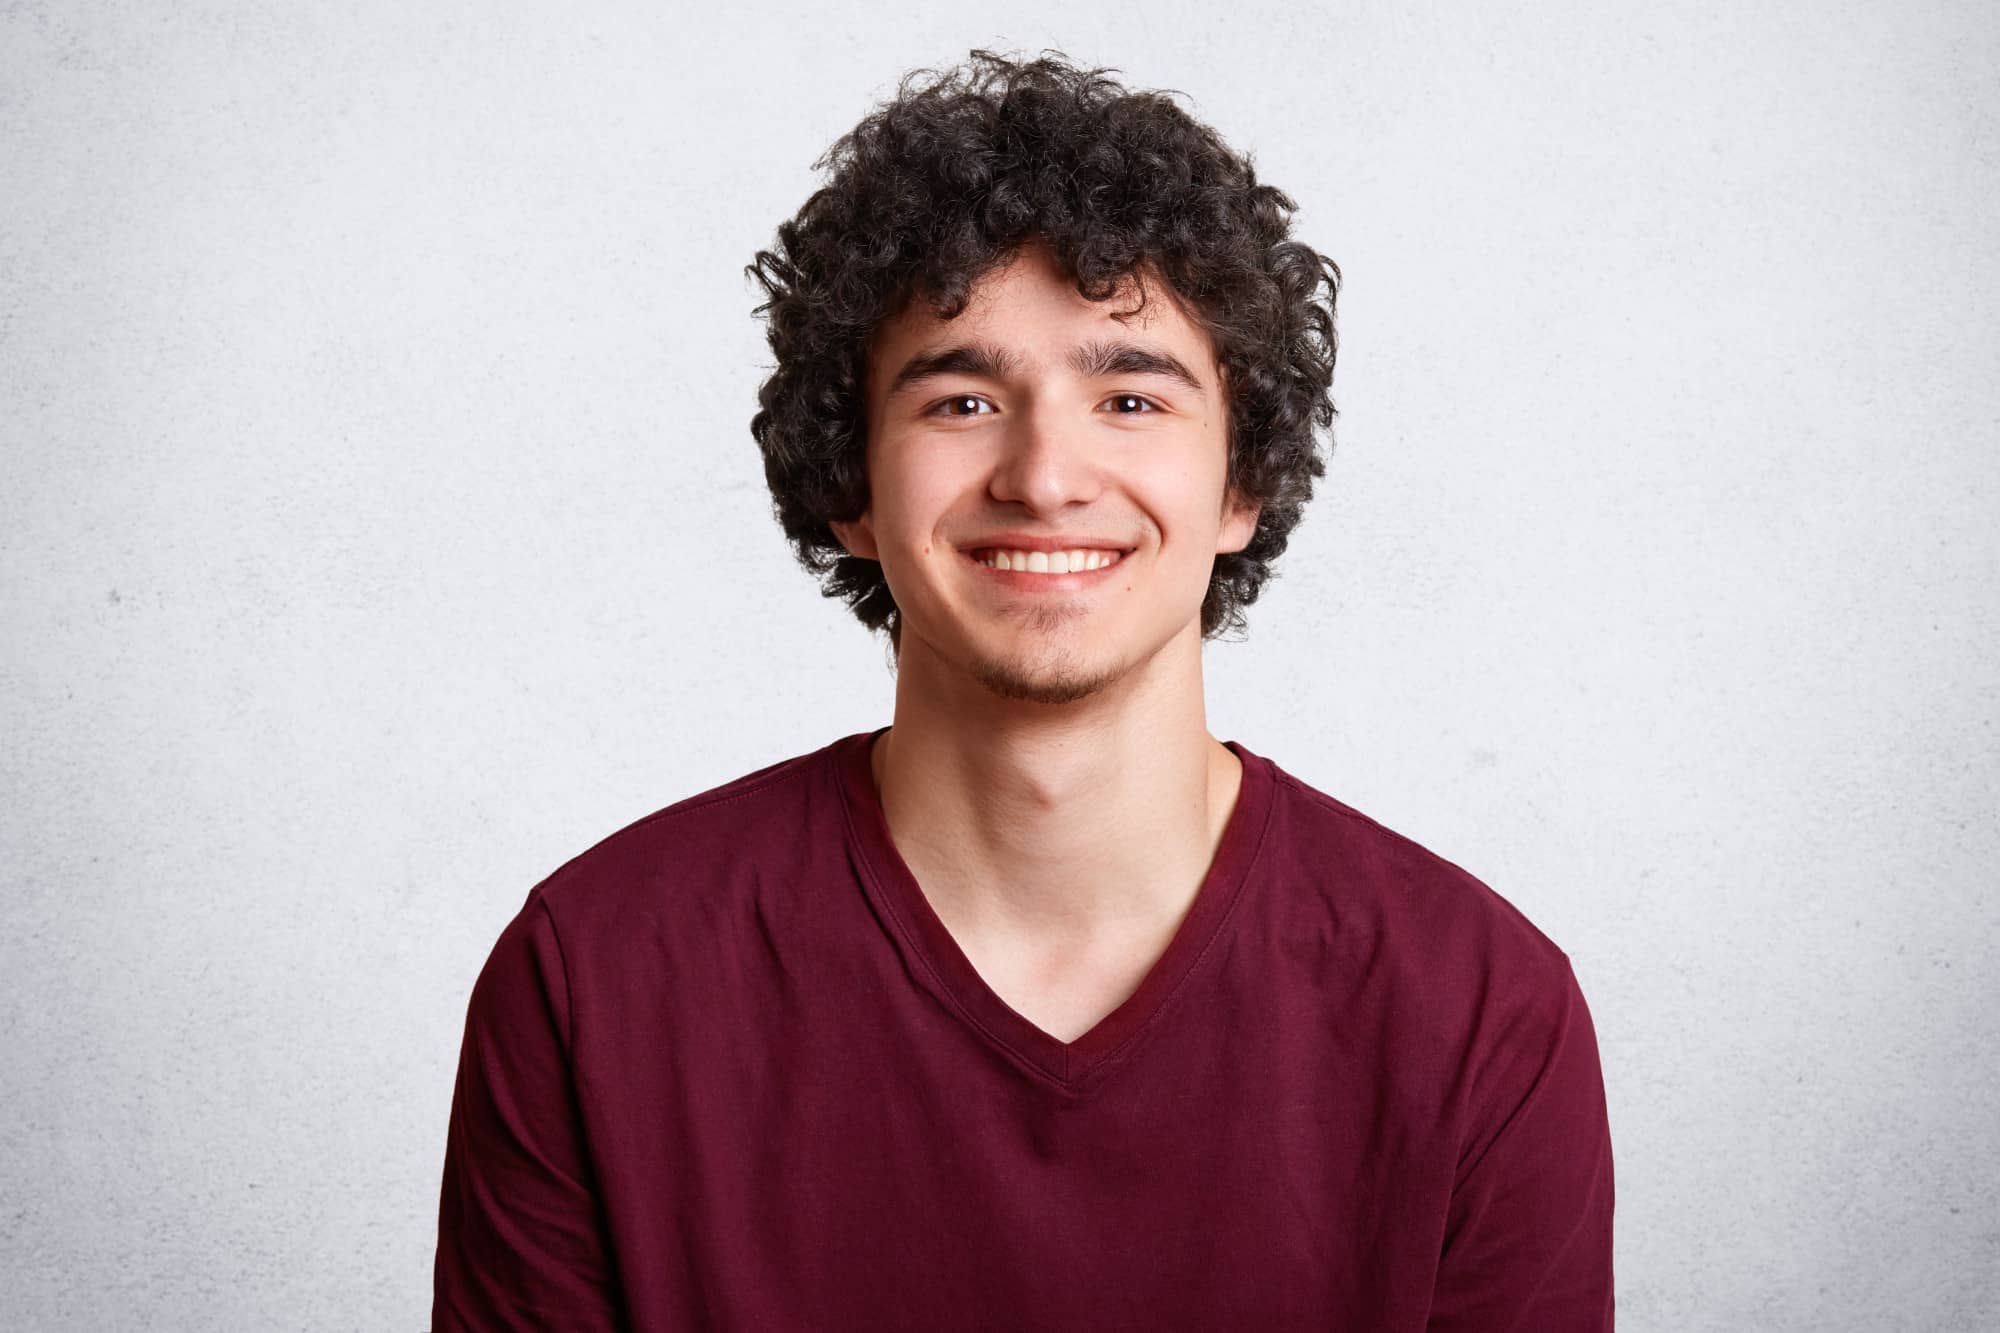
1063 681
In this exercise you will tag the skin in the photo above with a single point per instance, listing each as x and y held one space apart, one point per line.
1049 776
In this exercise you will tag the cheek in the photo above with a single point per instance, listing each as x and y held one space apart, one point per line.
1183 498
915 499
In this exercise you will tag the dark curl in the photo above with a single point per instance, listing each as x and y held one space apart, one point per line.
938 187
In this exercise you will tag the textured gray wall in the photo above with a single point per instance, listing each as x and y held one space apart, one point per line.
379 527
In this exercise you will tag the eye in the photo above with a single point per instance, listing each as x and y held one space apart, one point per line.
1131 405
948 408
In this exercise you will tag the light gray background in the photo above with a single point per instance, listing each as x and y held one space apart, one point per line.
380 527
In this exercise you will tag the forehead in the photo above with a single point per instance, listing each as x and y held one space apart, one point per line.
1033 308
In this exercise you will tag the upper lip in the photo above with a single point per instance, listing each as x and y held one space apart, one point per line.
1021 541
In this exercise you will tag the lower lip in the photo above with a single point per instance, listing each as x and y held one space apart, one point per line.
1028 580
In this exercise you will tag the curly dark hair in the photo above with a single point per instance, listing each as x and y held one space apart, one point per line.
942 185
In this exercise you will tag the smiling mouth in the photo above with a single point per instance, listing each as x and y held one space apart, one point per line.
1086 560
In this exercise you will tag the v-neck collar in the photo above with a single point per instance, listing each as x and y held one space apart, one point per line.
936 958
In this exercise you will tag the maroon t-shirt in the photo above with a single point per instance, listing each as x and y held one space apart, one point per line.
728 1070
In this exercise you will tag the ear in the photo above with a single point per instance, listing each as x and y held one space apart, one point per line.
858 536
1239 524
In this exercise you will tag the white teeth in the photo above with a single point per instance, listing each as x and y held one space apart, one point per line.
1051 562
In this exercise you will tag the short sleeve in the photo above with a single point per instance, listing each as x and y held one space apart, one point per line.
1527 1241
521 1237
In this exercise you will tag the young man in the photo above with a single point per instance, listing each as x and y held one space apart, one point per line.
1039 1008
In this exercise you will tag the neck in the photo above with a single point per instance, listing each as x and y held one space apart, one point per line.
1070 825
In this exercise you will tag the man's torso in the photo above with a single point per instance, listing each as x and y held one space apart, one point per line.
802 1106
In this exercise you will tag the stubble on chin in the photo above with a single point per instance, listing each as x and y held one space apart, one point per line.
1061 677
1063 682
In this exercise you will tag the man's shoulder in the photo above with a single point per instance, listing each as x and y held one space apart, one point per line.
1385 886
765 819
1457 965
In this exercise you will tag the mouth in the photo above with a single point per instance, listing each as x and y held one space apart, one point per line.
1035 568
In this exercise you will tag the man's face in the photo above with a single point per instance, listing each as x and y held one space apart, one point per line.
1032 424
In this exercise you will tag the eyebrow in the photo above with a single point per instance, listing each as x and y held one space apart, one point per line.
981 360
1099 359
1094 360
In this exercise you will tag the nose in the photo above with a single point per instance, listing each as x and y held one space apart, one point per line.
1043 465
